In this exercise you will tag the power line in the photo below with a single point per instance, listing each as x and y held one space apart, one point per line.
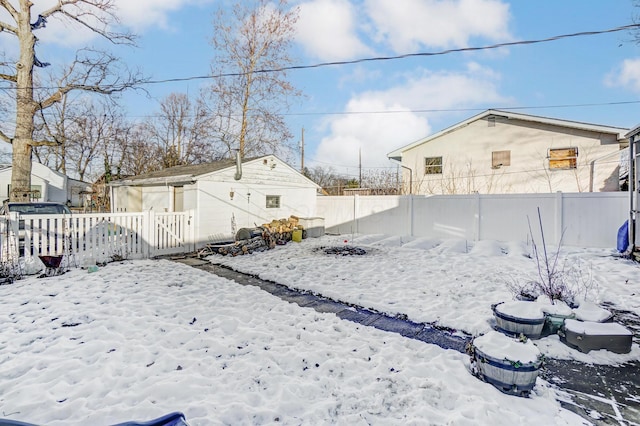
371 59
411 111
405 56
434 110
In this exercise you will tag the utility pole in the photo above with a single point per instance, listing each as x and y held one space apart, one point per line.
302 152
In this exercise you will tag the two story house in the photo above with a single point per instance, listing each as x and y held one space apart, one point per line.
506 152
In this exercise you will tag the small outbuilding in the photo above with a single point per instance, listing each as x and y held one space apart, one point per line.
224 195
47 185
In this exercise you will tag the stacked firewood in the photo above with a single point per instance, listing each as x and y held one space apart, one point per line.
249 240
282 230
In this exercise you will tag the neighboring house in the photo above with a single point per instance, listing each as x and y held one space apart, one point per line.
506 152
47 185
223 195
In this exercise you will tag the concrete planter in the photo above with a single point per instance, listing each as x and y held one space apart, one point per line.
587 336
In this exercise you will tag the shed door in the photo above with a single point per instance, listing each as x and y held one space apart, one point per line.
178 198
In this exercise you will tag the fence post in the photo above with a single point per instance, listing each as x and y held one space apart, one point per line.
559 211
148 225
411 215
356 211
192 230
478 221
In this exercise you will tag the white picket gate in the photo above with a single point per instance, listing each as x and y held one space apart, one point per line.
98 236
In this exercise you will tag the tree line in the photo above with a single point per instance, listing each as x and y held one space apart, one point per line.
70 118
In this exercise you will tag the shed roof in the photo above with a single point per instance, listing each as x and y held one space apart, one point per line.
187 174
179 174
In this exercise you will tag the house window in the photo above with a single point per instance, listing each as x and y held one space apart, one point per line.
563 158
500 159
433 165
273 201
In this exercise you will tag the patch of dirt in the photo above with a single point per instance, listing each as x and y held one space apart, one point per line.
344 250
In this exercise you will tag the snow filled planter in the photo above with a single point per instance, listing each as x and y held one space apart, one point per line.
508 364
519 317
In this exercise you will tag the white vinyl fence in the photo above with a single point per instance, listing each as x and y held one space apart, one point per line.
97 236
579 219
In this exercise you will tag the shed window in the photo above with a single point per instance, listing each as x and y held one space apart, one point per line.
563 158
273 201
433 165
500 159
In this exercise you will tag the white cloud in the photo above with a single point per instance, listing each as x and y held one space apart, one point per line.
142 14
373 135
138 16
627 75
378 134
327 30
409 24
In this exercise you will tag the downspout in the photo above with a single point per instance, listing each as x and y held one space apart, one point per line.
238 174
410 179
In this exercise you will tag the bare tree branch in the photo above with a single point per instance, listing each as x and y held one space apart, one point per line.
5 138
9 8
9 77
8 28
95 15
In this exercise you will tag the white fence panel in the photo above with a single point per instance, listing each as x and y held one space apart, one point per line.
445 217
97 236
579 219
171 232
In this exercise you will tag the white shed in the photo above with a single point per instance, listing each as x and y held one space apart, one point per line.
223 195
47 185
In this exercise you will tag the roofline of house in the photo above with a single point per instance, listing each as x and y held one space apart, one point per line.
633 132
157 181
188 179
621 133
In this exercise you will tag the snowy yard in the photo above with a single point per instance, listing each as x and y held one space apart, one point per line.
138 339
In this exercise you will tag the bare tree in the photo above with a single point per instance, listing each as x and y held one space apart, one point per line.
380 181
252 90
92 71
180 132
132 153
331 182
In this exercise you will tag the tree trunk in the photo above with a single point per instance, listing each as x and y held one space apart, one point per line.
25 109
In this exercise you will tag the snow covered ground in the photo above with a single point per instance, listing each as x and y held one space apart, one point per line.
138 339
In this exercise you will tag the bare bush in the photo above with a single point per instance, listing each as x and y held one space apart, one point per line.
557 280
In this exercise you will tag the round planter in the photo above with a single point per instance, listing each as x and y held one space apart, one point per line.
519 317
506 363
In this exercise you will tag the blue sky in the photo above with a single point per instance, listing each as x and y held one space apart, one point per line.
377 107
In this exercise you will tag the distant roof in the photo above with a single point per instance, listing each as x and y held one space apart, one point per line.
618 131
180 174
633 132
